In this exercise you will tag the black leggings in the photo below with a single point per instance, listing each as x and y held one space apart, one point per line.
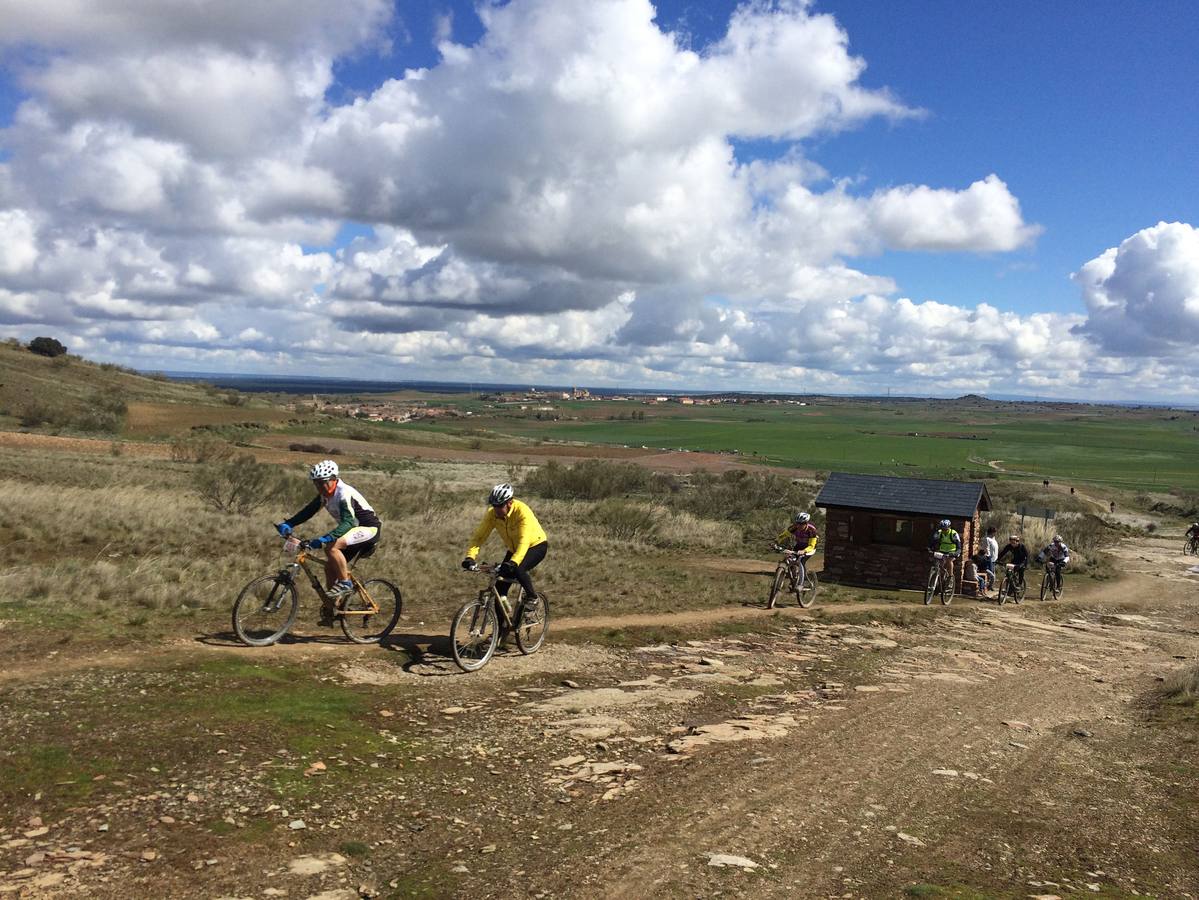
533 556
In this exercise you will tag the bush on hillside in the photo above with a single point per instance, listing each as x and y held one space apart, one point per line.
239 485
593 479
47 346
622 520
735 494
200 448
103 412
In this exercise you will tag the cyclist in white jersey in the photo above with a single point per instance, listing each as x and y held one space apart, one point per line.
356 531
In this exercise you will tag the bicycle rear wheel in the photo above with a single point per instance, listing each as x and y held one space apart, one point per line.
532 624
934 577
265 610
370 629
474 634
775 586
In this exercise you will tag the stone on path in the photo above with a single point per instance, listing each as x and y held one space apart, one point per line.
315 864
723 860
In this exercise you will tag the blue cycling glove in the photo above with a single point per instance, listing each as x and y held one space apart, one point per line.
283 528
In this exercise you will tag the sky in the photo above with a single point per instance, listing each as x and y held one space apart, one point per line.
929 198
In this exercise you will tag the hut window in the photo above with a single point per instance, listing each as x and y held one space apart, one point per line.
891 530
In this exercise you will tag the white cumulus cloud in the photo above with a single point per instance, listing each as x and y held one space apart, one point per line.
1143 296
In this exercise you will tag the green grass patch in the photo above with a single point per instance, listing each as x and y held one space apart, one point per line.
52 769
947 892
354 849
304 714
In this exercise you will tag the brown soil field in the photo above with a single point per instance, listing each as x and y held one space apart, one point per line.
145 419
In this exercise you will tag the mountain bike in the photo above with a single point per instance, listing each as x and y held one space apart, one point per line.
1053 582
476 626
1012 587
1191 546
940 579
792 574
266 608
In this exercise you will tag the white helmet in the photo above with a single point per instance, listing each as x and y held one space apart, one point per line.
1057 538
500 494
800 517
944 523
323 470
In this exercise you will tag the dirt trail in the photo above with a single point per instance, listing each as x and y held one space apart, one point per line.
1009 751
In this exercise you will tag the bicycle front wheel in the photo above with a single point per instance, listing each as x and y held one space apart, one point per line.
775 586
805 590
474 634
364 623
1190 548
946 588
934 578
1003 589
532 624
265 610
1058 585
1045 585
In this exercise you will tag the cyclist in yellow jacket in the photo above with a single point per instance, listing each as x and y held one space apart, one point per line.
521 533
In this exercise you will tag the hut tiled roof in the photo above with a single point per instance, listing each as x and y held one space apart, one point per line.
905 495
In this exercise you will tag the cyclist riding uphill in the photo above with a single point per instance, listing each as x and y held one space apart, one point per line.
1018 552
802 534
356 531
1057 554
1193 532
521 533
946 540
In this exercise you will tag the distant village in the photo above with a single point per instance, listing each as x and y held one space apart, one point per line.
386 409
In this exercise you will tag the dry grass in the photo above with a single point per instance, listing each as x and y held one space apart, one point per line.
1183 686
124 547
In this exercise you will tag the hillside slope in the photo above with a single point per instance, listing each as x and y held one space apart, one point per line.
73 394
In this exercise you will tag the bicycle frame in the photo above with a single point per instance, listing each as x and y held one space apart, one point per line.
302 560
490 595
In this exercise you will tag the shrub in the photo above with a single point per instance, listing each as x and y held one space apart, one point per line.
733 495
200 449
624 521
239 485
1182 686
102 413
47 346
593 479
314 448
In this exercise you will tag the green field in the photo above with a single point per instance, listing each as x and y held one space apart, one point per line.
1143 449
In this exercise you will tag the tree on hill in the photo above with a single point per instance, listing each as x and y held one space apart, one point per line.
47 346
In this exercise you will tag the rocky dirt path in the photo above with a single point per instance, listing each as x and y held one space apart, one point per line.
1013 751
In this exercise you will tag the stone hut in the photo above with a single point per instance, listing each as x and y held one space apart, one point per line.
877 527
